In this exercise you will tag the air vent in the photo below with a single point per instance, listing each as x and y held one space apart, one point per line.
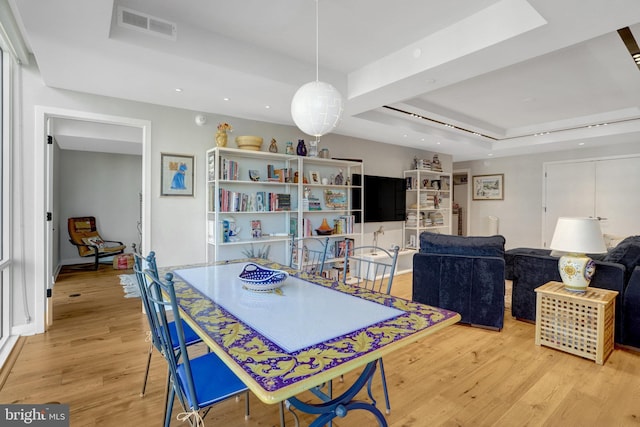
148 24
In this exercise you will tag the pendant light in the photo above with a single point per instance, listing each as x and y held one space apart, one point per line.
316 108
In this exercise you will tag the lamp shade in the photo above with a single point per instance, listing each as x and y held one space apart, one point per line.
316 108
578 235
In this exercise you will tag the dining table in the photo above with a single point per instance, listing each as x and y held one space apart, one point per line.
301 335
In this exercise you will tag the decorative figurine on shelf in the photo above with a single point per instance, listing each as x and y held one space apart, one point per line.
339 179
289 149
295 177
230 230
313 149
302 149
221 134
347 181
273 147
435 163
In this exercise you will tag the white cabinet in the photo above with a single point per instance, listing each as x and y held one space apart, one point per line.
256 201
428 204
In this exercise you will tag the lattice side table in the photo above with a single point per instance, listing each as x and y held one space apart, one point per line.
581 324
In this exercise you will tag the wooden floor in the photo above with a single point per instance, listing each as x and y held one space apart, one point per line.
93 357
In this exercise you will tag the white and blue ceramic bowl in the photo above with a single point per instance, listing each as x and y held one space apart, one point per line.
260 279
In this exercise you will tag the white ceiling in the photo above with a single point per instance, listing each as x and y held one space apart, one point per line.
501 71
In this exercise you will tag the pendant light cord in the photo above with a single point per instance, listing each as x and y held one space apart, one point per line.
317 74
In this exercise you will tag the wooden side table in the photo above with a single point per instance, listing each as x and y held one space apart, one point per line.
578 323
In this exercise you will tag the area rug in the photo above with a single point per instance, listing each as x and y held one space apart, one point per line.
129 285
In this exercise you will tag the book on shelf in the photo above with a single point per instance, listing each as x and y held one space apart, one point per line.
293 226
343 224
283 202
229 170
342 246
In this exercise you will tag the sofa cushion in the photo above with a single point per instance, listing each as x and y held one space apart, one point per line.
434 243
626 253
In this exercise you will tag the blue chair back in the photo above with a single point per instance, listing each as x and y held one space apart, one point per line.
370 267
309 254
145 268
157 291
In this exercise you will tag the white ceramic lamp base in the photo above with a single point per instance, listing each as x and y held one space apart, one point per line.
576 271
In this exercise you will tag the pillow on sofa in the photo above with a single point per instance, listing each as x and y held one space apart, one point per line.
434 243
626 253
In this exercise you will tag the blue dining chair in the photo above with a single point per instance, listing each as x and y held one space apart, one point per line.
371 267
144 268
309 254
198 383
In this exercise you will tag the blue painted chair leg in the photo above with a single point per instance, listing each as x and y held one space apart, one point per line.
384 386
169 407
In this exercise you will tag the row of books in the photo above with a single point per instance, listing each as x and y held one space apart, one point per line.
229 169
279 175
235 201
344 224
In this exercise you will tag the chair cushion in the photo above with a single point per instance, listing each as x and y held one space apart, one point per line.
190 336
212 379
462 245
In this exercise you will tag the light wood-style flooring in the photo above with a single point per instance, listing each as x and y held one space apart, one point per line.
93 358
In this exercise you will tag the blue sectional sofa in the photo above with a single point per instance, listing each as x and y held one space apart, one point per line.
618 270
463 274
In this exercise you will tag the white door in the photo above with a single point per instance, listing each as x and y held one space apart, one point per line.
617 196
569 191
606 189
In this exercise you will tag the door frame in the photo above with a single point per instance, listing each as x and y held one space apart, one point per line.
42 115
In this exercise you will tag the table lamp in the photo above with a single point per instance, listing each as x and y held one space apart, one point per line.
576 237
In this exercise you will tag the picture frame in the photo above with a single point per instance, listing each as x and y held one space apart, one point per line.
335 199
314 177
488 187
177 175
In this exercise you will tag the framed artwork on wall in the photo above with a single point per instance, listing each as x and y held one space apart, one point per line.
488 187
177 175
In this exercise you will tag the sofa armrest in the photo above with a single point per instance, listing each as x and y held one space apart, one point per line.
470 285
630 333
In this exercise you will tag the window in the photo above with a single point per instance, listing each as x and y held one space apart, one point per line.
4 203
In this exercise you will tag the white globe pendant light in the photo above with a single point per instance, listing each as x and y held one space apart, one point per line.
316 108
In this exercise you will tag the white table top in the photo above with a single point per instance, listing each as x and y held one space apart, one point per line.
303 315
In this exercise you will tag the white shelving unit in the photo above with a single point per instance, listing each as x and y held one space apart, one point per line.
428 205
340 193
235 196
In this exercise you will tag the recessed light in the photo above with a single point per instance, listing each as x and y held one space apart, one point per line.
225 98
178 89
581 143
490 154
267 106
438 143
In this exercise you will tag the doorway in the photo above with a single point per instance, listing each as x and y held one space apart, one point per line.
461 202
45 165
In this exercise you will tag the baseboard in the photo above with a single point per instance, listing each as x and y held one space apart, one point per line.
8 356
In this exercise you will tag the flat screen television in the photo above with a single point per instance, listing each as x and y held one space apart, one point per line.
384 198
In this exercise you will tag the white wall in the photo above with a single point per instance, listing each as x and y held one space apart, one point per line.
103 185
520 213
177 225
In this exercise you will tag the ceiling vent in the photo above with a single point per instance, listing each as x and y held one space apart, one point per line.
139 21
